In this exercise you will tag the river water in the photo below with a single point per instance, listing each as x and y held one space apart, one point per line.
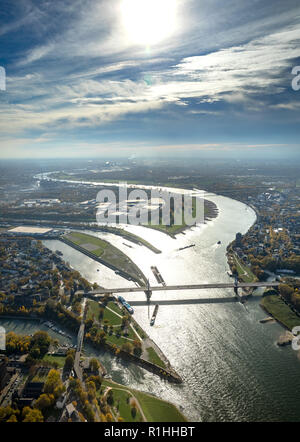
230 363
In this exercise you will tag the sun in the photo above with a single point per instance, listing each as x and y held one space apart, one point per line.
147 22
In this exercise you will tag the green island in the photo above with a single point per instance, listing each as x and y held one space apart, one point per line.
107 254
278 307
210 211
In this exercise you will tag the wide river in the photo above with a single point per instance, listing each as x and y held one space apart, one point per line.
230 363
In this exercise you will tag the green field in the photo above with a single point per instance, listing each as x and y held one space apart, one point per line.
93 310
244 272
173 229
108 253
121 398
154 358
276 307
113 319
59 360
154 409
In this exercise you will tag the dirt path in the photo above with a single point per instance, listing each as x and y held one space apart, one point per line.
130 325
133 398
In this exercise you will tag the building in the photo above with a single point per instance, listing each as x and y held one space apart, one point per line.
4 375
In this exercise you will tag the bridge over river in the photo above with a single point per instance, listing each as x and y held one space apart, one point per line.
225 285
149 289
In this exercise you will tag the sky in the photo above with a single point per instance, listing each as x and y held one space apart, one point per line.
149 77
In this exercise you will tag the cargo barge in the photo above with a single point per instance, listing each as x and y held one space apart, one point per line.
154 315
157 275
186 247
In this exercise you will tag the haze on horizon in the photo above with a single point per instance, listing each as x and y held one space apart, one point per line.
98 78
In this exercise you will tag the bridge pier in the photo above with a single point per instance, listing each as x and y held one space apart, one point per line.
148 293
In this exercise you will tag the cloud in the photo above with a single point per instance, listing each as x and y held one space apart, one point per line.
82 73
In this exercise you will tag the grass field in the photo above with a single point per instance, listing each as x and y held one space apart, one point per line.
60 360
121 401
173 229
280 311
113 319
93 310
154 409
154 358
245 273
108 253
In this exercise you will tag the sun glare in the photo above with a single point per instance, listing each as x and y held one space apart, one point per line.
148 22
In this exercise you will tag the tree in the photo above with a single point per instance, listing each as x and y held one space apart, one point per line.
105 326
89 323
53 384
94 365
12 418
69 362
108 417
137 350
133 412
101 313
32 415
125 321
128 347
102 337
286 291
41 340
91 388
97 380
6 413
44 401
110 398
234 270
296 300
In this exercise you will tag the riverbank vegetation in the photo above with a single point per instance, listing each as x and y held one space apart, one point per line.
153 409
207 211
110 255
36 346
109 325
239 268
283 305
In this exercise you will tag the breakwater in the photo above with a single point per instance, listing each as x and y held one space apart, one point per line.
166 373
101 261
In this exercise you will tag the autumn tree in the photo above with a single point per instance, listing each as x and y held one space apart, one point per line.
32 415
44 401
94 365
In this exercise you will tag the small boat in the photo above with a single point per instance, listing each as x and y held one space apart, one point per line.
219 242
154 315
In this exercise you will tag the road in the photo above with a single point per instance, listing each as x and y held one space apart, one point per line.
77 367
102 291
